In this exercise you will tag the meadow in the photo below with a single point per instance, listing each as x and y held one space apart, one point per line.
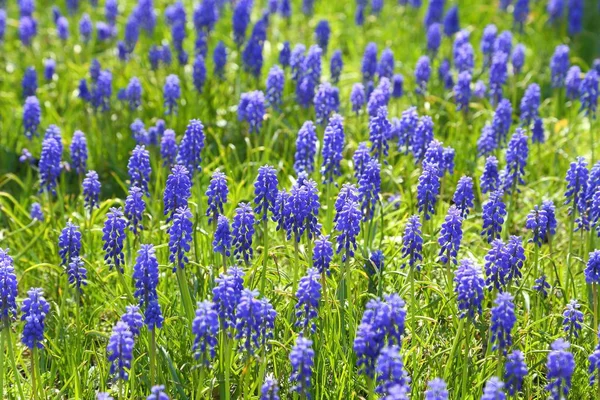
299 199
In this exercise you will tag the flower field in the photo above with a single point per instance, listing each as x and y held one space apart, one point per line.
299 199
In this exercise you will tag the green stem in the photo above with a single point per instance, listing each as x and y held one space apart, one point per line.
595 296
457 339
153 357
185 294
34 374
465 373
296 264
413 318
265 255
2 363
569 256
11 355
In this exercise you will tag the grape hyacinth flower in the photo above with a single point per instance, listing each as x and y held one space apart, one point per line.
577 180
327 101
322 33
530 104
29 82
572 319
139 168
255 321
503 321
498 76
274 91
379 132
390 370
220 60
79 152
177 190
347 222
369 62
559 65
222 241
227 294
336 65
555 9
134 209
479 90
102 91
217 195
8 291
592 269
252 109
469 288
537 131
31 116
309 296
385 69
560 365
588 93
434 37
463 196
302 360
157 393
541 286
265 191
428 189
412 242
450 235
462 91
537 222
49 68
113 237
133 319
145 276
168 148
518 58
270 389
333 146
36 213
180 237
369 187
241 19
85 27
576 9
516 160
515 371
357 97
171 94
573 82
120 350
34 310
69 244
91 190
422 74
490 179
434 12
451 21
323 254
191 146
436 390
494 212
306 148
205 328
243 230
421 137
49 165
397 86
494 389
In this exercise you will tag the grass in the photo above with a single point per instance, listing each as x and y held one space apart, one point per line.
73 363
